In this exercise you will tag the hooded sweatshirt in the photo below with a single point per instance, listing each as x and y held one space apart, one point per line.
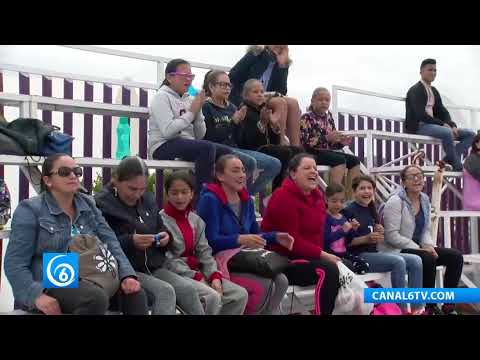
302 216
223 225
125 221
399 223
188 252
170 118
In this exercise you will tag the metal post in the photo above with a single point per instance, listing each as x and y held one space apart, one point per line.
447 241
160 73
474 235
473 118
335 105
369 140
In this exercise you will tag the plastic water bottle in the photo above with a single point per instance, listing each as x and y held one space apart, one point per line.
192 91
123 139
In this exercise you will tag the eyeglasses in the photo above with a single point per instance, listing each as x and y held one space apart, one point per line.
224 85
414 177
185 75
65 171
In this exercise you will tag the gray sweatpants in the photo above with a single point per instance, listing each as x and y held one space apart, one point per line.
232 302
185 292
163 294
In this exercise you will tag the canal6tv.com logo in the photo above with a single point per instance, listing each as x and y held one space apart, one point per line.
60 270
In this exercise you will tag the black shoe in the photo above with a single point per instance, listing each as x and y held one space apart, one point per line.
434 310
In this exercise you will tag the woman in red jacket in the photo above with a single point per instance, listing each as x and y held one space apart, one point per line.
298 207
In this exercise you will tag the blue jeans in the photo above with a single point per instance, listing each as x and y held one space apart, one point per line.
399 265
453 152
269 165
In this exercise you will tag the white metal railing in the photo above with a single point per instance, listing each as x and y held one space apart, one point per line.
336 108
29 104
155 85
159 60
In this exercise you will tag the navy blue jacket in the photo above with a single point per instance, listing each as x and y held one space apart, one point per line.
252 66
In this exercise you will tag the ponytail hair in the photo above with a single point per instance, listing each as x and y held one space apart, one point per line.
211 78
172 67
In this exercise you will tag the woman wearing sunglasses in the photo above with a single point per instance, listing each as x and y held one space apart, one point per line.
177 125
408 230
46 224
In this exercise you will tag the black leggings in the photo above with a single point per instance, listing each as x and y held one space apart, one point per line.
452 259
304 274
283 153
334 158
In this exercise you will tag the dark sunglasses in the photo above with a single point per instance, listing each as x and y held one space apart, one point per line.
65 171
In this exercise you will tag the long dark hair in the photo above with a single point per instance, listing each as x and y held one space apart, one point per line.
181 175
172 67
211 78
403 173
475 148
48 165
371 206
221 164
333 189
295 161
129 168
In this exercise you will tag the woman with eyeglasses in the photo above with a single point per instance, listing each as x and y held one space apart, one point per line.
222 119
408 231
177 125
46 224
269 64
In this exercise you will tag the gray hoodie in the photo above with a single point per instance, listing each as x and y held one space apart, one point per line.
399 223
202 251
170 117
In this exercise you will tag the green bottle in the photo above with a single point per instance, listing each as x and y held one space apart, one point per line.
123 138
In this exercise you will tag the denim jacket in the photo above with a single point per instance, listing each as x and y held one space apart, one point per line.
39 225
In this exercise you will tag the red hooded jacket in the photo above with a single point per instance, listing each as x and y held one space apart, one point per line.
302 216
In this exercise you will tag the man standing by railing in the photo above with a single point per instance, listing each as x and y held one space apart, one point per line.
426 115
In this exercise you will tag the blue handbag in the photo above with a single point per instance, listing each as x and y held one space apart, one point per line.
57 142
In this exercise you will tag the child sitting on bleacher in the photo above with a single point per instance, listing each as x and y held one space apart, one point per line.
222 118
337 227
189 254
370 234
257 131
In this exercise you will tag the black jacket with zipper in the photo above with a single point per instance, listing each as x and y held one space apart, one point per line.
248 135
415 109
125 221
252 66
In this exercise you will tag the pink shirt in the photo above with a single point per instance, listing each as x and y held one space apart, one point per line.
430 99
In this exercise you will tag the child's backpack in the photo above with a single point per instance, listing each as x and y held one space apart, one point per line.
5 204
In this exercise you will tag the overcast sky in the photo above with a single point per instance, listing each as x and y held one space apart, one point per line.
389 69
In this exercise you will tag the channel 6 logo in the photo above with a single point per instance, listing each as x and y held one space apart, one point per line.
60 270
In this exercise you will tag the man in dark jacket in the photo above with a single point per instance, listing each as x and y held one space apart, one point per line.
426 115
